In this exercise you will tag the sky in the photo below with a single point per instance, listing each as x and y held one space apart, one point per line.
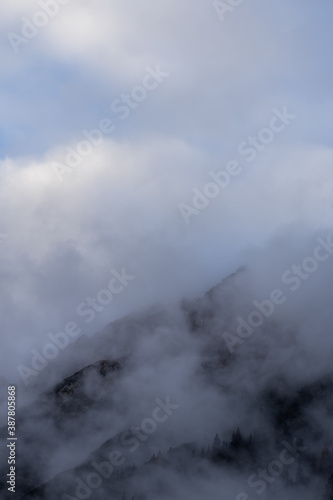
218 80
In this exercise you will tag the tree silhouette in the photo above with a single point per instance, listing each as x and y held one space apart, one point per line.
328 495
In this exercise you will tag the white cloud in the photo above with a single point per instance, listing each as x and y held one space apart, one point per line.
121 205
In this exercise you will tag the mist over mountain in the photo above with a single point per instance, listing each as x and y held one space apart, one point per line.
188 398
166 250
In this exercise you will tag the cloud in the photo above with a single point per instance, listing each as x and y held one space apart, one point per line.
119 207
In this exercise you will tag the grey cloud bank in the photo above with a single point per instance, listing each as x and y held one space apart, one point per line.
196 147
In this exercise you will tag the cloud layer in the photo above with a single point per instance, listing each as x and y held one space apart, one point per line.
120 206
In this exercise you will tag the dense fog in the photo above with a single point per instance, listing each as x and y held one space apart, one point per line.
166 249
